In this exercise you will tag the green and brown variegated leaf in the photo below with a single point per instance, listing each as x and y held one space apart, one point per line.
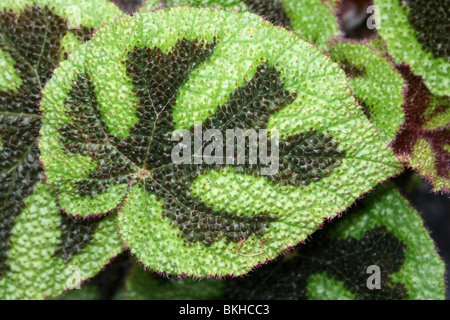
416 33
413 34
383 231
34 37
50 253
423 143
313 20
108 121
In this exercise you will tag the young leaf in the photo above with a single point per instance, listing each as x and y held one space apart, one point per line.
144 285
423 142
49 253
375 82
415 32
382 236
32 39
108 120
313 20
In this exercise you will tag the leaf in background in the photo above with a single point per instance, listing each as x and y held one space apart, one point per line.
382 230
129 6
416 33
108 119
145 285
38 267
33 39
375 82
423 143
311 19
105 285
123 280
85 292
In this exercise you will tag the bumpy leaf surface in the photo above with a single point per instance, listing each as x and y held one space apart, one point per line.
382 230
144 285
375 82
45 259
108 121
313 20
34 36
423 143
416 33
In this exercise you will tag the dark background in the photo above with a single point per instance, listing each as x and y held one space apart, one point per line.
434 208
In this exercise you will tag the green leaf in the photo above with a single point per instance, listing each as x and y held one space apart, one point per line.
375 82
414 32
382 230
44 259
144 285
108 119
32 34
313 20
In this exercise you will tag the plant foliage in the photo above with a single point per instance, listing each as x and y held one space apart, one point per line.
90 121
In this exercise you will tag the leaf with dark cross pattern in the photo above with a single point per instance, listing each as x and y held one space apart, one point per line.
156 79
109 139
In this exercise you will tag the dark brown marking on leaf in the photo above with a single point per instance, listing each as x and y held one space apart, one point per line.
128 6
32 39
146 152
196 220
83 33
417 100
343 260
304 158
351 70
431 21
87 135
366 109
272 10
156 78
76 234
